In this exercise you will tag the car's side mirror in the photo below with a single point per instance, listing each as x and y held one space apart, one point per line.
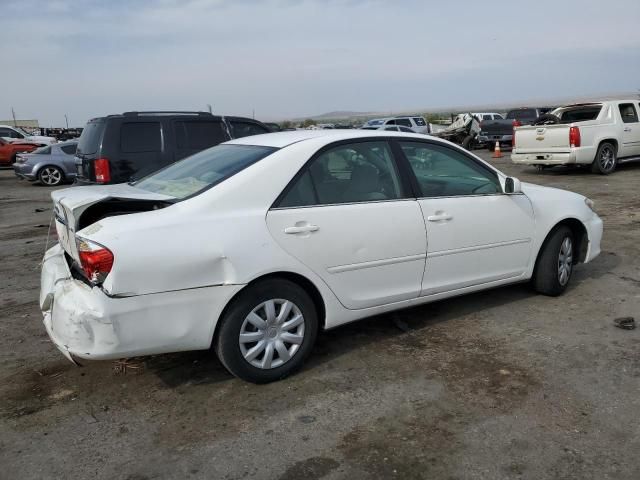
512 186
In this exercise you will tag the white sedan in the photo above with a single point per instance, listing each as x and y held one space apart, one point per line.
254 246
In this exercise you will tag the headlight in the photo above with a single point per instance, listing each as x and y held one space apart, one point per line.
591 204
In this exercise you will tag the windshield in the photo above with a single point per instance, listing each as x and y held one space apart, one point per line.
43 150
22 131
203 170
374 122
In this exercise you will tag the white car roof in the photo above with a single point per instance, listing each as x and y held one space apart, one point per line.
282 139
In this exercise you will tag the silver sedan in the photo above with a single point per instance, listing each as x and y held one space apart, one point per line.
50 165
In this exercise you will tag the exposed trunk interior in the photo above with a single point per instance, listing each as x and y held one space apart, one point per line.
112 207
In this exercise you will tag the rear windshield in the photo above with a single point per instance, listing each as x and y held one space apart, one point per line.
89 141
374 122
203 170
522 113
419 121
579 114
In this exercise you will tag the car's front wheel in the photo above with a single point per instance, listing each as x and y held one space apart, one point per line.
267 332
555 263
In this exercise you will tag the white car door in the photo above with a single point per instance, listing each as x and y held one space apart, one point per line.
476 234
347 217
630 130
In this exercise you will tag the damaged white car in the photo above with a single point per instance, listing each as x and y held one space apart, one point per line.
254 246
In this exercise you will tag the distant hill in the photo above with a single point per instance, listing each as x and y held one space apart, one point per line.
340 114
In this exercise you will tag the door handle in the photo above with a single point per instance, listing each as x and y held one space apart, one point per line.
301 229
439 217
627 129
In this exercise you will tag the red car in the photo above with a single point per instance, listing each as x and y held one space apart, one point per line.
8 150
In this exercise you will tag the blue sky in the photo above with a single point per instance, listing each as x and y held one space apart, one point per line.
287 58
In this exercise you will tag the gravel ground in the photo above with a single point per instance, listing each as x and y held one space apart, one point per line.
499 385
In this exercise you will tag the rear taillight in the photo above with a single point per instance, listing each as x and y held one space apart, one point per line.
574 137
96 261
516 123
103 172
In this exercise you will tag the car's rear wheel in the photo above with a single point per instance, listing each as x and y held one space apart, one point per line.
267 332
606 159
555 263
50 176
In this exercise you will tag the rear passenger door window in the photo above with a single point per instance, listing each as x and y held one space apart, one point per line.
196 136
628 113
140 137
350 173
444 172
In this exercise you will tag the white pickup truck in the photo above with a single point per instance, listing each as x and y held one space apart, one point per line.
599 134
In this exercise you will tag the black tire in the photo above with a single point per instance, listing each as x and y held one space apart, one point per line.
606 159
491 146
227 341
547 278
51 176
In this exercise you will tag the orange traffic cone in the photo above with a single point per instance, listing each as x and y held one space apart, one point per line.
496 152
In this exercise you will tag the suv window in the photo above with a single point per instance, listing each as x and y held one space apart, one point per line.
445 172
419 121
358 172
140 137
69 149
246 129
199 135
628 113
403 121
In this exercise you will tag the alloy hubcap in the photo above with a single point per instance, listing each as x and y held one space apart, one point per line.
607 158
50 176
272 333
565 261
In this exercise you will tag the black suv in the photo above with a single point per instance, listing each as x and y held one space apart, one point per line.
126 147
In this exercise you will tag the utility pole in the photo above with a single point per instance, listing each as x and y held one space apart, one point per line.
209 108
66 120
13 114
254 113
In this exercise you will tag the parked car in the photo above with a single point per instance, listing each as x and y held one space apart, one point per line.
390 128
10 150
416 123
207 253
600 135
15 133
501 130
122 148
51 165
482 116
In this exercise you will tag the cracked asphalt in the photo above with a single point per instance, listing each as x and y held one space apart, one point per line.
503 384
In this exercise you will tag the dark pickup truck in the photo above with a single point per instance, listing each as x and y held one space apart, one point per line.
492 131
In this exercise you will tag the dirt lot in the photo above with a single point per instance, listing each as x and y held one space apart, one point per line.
502 384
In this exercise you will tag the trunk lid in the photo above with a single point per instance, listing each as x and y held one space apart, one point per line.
69 205
542 138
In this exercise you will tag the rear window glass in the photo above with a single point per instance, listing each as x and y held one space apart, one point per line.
69 149
419 121
246 129
203 170
91 137
522 113
199 135
580 114
140 137
43 151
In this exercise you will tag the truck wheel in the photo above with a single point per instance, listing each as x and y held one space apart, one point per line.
605 161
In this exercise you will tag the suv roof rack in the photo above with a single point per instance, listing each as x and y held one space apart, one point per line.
167 112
